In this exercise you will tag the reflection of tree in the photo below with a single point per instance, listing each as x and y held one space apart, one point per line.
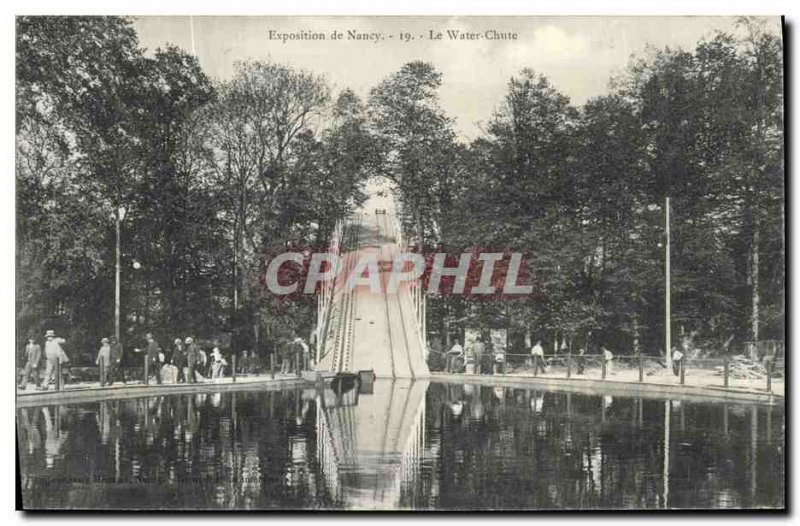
516 455
527 449
182 451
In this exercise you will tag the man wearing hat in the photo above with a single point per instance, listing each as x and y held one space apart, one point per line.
218 363
153 349
33 355
116 362
52 353
179 359
192 358
104 360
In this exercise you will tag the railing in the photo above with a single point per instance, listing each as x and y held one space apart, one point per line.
325 298
735 371
344 327
416 291
65 375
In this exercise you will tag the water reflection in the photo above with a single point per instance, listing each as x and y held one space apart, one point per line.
370 446
543 450
403 445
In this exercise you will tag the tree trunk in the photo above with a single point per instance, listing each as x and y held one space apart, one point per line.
243 274
235 271
754 263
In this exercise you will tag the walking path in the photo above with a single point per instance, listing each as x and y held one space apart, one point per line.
622 382
626 383
84 392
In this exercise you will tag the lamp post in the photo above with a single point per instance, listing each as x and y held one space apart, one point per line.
667 283
667 290
119 216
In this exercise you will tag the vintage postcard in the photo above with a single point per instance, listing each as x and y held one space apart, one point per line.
400 263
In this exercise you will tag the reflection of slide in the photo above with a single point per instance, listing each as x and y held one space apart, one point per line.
370 451
371 330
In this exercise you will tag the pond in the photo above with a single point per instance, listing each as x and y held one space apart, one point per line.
401 445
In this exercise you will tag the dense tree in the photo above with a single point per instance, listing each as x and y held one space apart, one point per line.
211 177
75 81
416 138
216 176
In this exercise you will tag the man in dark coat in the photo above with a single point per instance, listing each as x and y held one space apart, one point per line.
192 358
33 355
478 348
115 368
179 359
153 350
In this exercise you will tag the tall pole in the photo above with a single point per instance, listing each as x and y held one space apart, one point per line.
117 279
191 31
665 495
667 306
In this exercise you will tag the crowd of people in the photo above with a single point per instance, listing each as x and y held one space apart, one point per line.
185 361
470 358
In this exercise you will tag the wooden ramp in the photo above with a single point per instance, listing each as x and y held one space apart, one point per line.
370 330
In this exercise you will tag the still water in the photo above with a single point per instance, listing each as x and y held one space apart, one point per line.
405 445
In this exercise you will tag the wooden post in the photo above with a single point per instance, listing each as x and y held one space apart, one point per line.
569 362
604 367
233 366
770 364
58 374
683 370
726 371
641 369
272 364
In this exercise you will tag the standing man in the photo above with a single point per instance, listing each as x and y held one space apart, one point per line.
301 352
52 353
608 358
580 360
677 358
537 353
287 353
478 349
456 352
116 362
104 360
202 362
192 358
152 356
499 362
179 359
33 355
218 364
244 363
